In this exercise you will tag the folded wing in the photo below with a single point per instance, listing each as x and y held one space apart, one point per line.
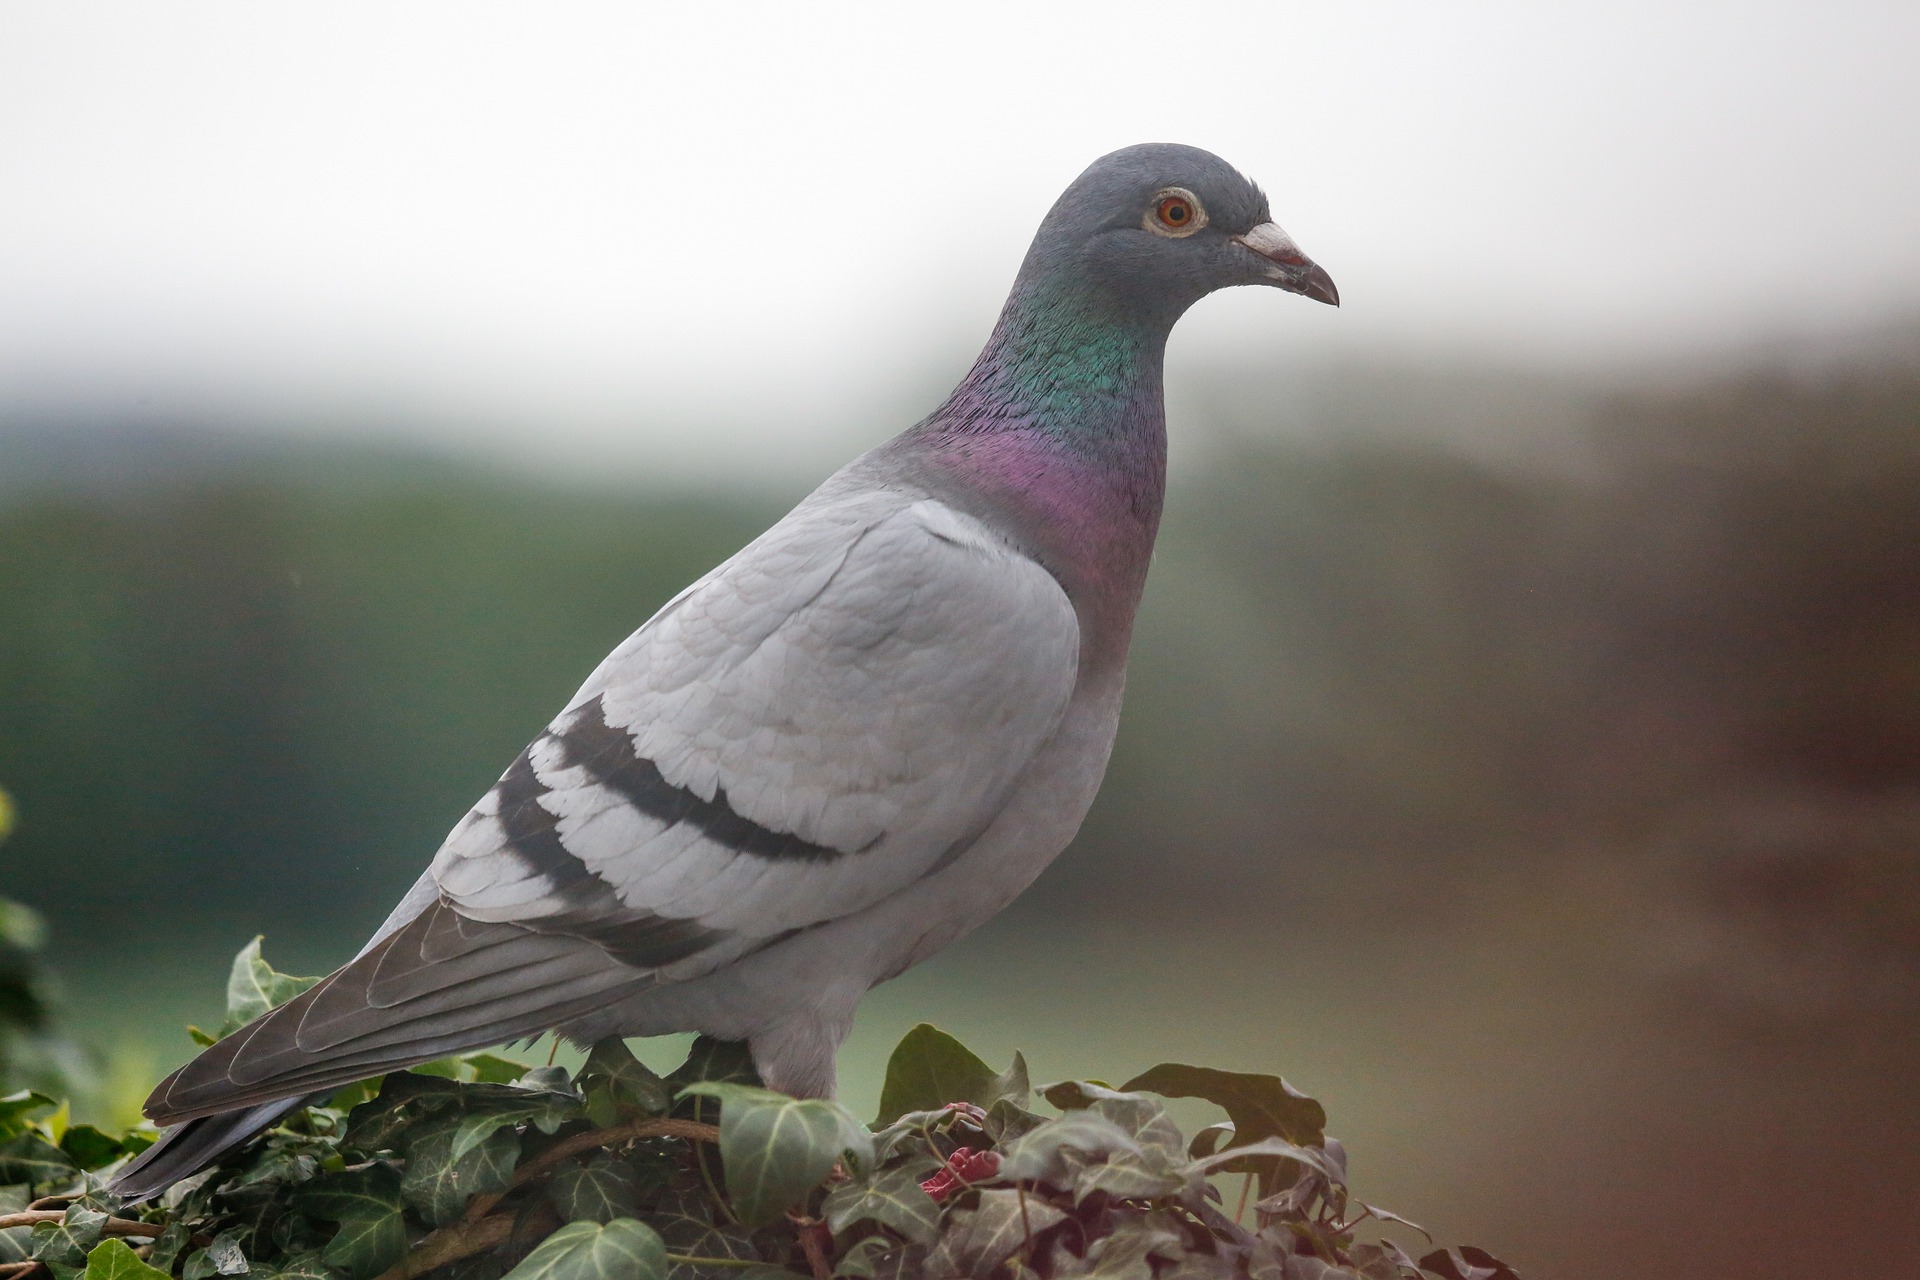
815 725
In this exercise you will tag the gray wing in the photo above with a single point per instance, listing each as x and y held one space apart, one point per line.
810 728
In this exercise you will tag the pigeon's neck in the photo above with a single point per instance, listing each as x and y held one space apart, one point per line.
1074 363
1059 430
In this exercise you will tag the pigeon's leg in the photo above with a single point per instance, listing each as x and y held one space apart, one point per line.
796 1055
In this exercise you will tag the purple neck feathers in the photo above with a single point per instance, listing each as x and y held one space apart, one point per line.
1059 434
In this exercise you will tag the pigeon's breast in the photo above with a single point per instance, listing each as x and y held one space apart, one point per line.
1089 519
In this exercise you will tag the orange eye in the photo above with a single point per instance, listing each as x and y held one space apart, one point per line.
1176 213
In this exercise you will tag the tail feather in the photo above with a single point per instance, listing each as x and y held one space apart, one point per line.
188 1148
440 984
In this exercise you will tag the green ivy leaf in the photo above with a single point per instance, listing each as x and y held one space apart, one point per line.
1130 1251
350 1096
929 1068
600 1190
168 1245
685 1221
64 1245
1259 1106
30 1158
1210 1139
978 1240
1039 1156
544 1111
221 1258
491 1068
776 1149
1120 1176
439 1182
254 988
304 1266
619 1250
1376 1261
18 1111
372 1217
89 1148
116 1260
868 1258
405 1098
612 1071
892 1198
1466 1263
718 1061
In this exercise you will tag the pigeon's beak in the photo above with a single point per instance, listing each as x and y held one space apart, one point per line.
1284 265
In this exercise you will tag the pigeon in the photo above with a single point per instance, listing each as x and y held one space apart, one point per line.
844 748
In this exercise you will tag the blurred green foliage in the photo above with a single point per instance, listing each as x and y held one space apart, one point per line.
267 698
258 697
33 1053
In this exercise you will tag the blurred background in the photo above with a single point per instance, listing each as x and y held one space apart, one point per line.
1523 751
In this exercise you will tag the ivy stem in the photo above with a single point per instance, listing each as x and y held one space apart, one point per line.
450 1244
809 1230
112 1226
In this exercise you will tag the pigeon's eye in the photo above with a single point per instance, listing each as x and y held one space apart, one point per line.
1175 212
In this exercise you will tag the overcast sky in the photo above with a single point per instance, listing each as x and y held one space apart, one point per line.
766 232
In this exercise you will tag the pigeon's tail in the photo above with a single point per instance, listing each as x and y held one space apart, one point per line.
186 1149
440 984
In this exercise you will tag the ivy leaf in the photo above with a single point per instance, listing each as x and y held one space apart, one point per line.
892 1199
254 988
31 1158
89 1148
1259 1106
116 1260
601 1190
372 1217
544 1111
439 1182
491 1068
221 1258
18 1111
717 1061
929 1068
867 1259
1128 1252
1208 1140
1467 1263
1007 1120
683 1224
405 1098
1378 1261
305 1266
619 1250
168 1245
776 1149
621 1083
1038 1156
1120 1176
1387 1215
980 1239
63 1245
348 1097
1315 1158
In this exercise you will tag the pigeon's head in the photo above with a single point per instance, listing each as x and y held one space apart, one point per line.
1163 225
